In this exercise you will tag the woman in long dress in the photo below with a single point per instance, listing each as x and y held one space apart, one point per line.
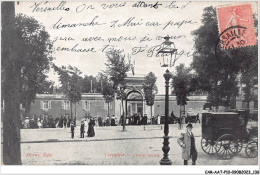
91 132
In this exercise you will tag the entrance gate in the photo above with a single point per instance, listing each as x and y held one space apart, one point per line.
134 103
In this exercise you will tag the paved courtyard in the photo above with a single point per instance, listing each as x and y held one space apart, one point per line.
111 146
102 133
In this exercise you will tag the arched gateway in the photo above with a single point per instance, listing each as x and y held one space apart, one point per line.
134 103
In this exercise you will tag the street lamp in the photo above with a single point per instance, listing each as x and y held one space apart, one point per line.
167 50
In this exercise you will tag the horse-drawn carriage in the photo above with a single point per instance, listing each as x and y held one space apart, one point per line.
192 116
225 134
172 119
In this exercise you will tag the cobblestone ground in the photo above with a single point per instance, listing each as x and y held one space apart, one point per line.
110 146
102 133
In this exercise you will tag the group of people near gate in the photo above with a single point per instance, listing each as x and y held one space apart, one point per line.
46 121
136 119
90 131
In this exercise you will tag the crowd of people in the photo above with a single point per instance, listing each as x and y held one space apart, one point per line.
46 121
64 122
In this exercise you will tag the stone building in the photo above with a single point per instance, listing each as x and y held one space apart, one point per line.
93 104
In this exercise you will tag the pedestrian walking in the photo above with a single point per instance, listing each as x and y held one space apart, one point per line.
187 143
95 121
100 121
113 121
116 121
74 121
107 121
68 122
82 129
61 122
72 130
91 124
145 120
198 118
39 123
179 123
65 122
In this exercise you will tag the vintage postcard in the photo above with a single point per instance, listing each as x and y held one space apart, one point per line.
130 83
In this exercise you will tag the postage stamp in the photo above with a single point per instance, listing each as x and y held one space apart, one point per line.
236 26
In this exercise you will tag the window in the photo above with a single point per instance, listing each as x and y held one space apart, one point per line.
45 105
244 105
105 105
66 105
86 105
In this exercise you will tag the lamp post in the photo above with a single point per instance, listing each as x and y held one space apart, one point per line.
167 49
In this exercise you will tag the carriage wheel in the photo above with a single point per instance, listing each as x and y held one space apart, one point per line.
252 149
208 146
226 146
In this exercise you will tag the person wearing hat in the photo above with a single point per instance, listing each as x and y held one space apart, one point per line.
187 143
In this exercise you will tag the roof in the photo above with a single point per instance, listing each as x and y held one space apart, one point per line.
159 97
89 96
221 112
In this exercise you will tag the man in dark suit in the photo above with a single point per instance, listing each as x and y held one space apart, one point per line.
187 142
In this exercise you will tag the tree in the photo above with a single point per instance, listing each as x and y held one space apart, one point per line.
107 90
150 89
183 84
45 87
35 49
217 73
10 86
90 85
71 80
249 80
26 51
249 76
117 66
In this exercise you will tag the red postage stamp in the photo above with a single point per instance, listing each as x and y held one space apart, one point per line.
236 26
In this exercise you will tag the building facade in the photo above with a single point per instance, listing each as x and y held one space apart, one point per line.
93 104
57 105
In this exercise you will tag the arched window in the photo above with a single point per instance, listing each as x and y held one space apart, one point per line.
135 96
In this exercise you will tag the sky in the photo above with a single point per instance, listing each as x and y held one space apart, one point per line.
127 26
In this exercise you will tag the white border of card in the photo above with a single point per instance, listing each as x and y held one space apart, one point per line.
140 169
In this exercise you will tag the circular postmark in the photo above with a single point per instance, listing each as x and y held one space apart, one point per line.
231 38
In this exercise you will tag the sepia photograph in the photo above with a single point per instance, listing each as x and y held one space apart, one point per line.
137 83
